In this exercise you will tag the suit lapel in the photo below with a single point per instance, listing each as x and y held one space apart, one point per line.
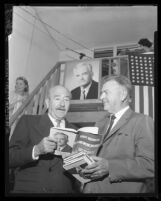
90 91
79 93
44 125
120 123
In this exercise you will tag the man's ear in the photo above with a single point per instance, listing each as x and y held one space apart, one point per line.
47 103
92 74
124 95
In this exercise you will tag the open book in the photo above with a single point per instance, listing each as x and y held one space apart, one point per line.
85 139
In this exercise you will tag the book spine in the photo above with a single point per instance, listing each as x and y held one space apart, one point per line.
75 155
74 164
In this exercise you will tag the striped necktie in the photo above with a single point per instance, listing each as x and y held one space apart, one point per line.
83 95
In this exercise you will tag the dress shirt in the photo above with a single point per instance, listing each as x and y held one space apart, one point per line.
119 114
61 148
62 122
86 89
62 125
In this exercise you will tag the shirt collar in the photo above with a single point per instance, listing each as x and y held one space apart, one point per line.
86 89
121 112
62 122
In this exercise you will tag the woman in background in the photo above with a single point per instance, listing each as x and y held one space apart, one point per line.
17 97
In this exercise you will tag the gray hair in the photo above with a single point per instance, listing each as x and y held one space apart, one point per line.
121 80
88 65
56 86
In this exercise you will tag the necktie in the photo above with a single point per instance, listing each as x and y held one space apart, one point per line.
57 123
111 121
83 96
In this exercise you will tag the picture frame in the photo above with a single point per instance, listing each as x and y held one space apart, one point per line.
68 79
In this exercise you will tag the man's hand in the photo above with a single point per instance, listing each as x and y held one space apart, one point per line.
46 145
96 170
65 154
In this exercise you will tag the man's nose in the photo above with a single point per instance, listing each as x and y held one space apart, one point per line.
62 102
102 96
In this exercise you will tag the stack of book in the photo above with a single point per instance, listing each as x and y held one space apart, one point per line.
77 159
75 162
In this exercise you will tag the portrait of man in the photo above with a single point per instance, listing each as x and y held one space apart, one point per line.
82 79
62 142
88 88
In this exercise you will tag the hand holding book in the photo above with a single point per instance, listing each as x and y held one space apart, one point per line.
96 170
84 143
85 139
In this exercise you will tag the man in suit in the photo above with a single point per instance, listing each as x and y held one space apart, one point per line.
88 88
125 159
62 140
31 150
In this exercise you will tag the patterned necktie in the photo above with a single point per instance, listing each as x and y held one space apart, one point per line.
111 121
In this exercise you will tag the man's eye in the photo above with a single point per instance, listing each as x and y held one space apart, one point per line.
57 99
66 99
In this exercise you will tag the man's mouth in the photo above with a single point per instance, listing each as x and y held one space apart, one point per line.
62 109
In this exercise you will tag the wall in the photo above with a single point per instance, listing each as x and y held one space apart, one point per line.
32 53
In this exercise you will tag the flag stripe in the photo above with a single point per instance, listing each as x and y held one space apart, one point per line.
136 99
132 103
146 100
151 102
141 99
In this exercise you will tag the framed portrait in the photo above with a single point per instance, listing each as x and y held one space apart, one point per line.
82 75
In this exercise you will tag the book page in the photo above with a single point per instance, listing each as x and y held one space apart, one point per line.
66 129
93 130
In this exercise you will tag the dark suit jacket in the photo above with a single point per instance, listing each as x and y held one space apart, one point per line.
129 149
67 148
45 175
92 93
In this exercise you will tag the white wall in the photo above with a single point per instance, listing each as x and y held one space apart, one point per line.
32 53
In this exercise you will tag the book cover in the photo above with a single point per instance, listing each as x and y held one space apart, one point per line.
84 139
87 142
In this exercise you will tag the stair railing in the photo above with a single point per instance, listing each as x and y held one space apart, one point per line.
34 104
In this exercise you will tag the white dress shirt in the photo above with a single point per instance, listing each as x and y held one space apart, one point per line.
62 122
86 89
119 114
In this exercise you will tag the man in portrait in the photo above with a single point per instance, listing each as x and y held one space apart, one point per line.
88 88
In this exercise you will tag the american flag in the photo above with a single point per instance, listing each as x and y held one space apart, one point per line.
141 71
